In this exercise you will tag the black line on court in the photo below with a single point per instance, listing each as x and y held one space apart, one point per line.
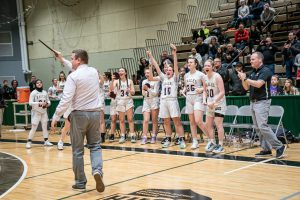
149 174
30 177
225 156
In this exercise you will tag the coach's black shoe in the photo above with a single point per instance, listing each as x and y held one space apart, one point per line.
263 153
280 152
78 188
100 187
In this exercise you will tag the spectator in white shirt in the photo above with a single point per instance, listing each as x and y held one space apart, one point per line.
243 13
82 92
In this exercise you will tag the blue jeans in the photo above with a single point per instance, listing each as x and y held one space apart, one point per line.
85 124
260 113
289 63
271 67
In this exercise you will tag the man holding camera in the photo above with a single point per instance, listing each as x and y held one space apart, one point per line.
267 48
290 49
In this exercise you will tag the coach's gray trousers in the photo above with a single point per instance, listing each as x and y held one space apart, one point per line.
85 124
260 113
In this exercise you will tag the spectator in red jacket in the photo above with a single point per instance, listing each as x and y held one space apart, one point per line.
241 37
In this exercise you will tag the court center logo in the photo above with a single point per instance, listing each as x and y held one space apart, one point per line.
159 194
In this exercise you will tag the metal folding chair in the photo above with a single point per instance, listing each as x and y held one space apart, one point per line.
278 112
243 111
138 112
230 117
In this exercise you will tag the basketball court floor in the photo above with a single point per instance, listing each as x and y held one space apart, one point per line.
148 172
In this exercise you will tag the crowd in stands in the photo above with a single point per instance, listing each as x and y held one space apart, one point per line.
215 43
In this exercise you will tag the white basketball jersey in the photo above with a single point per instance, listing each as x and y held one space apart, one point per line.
213 90
122 89
169 87
154 88
193 81
37 97
106 85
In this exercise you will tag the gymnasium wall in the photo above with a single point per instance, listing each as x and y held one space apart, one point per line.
107 29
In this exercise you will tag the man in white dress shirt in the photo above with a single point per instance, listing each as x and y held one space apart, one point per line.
82 92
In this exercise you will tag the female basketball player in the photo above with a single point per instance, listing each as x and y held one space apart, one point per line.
39 101
150 106
124 91
194 86
216 107
102 98
113 107
169 107
61 83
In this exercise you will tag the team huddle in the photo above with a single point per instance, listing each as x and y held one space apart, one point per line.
204 94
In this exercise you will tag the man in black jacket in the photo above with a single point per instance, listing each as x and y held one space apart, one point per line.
290 49
230 56
235 84
223 71
202 48
268 49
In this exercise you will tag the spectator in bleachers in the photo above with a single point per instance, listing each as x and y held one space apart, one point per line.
266 18
213 46
235 84
142 65
52 91
223 39
164 56
256 9
254 38
223 71
297 64
243 14
241 37
204 31
198 57
202 48
220 53
237 6
289 88
216 31
7 91
32 83
275 88
230 56
14 85
290 49
268 49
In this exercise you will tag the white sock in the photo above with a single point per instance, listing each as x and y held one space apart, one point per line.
122 134
195 140
213 141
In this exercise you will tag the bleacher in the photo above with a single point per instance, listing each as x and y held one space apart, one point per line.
180 32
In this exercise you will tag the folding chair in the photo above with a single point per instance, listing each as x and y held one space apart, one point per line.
278 111
185 122
243 111
138 112
230 117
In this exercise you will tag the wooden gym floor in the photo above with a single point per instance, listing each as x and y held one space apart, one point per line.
133 171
